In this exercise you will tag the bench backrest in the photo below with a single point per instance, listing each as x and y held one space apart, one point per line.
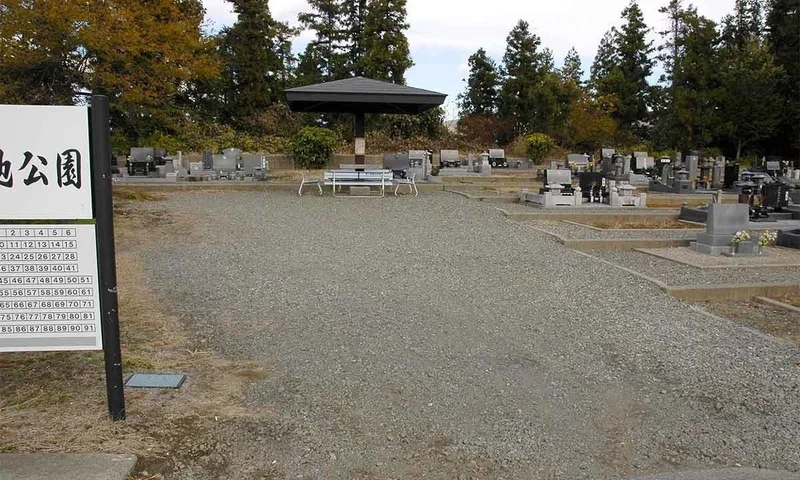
367 176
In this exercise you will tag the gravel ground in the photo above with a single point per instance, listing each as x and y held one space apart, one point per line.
572 231
677 274
405 341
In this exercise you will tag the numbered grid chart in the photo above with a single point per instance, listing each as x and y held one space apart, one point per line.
49 298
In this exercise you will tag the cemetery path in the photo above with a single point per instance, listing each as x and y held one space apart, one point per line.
430 337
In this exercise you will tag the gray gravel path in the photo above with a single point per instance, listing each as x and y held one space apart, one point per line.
430 337
676 274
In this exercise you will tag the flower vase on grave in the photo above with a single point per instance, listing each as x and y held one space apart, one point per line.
734 249
760 249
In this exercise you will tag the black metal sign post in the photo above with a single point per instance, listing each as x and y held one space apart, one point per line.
100 132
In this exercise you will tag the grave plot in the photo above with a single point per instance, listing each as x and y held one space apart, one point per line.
656 248
583 229
770 258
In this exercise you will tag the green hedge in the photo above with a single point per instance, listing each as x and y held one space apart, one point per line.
313 147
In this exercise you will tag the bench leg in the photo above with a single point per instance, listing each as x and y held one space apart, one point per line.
320 189
300 192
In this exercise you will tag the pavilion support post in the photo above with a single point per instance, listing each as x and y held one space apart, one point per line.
360 143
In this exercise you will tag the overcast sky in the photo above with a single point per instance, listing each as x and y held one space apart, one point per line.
444 33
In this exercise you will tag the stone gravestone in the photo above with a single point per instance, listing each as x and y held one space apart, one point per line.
722 223
692 164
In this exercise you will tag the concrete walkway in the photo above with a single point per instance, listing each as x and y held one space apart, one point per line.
724 474
63 466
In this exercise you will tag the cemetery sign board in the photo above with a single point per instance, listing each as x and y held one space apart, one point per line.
49 287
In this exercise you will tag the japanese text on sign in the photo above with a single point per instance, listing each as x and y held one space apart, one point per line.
44 163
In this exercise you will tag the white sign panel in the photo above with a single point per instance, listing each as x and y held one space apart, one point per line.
361 146
49 297
44 163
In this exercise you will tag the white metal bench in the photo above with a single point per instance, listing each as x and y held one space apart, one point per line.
412 185
368 178
306 180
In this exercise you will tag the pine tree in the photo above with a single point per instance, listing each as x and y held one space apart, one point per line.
606 58
480 97
325 56
387 55
689 114
572 67
354 14
523 71
783 24
746 23
635 62
255 51
751 104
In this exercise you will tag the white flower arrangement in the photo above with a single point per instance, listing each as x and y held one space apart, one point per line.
767 238
741 236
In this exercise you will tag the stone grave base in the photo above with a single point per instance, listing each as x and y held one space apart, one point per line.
771 258
789 238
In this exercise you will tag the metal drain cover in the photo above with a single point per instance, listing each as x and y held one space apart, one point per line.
155 380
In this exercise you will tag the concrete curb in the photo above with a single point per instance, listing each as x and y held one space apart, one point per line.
65 466
722 474
700 293
776 303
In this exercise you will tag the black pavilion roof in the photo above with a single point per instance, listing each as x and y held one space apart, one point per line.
359 94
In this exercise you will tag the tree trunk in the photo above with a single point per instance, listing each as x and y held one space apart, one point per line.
738 149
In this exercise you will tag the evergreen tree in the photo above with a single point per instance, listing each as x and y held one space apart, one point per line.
572 67
688 116
355 13
783 25
636 65
606 58
751 104
325 56
747 22
524 69
255 53
386 52
480 97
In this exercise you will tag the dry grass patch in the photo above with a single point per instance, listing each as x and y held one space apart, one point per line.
136 195
772 320
645 223
793 300
292 175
